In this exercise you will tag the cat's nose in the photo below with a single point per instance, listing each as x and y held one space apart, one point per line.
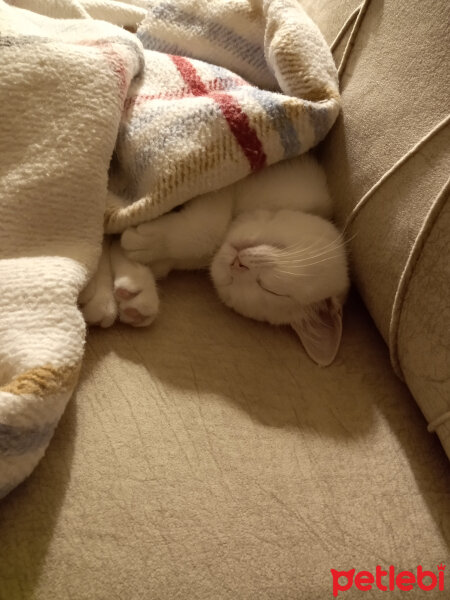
237 264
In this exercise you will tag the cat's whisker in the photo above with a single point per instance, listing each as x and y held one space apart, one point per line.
310 264
340 241
289 247
297 245
297 248
350 239
305 260
305 265
293 273
337 242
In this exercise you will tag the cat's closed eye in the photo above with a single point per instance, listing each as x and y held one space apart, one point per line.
270 291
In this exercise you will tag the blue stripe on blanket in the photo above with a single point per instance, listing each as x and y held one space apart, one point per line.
252 54
320 120
183 126
19 440
273 105
151 42
231 80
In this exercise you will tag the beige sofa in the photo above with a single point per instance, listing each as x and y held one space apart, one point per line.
208 458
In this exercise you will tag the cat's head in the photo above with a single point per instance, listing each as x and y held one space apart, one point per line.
286 267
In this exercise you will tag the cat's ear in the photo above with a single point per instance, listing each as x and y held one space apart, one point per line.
320 330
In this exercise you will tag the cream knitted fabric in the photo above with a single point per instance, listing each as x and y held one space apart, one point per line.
127 13
73 87
61 95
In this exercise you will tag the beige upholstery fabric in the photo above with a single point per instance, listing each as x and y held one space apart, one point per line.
395 90
208 458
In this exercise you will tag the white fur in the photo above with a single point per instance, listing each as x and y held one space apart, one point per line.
273 265
272 253
188 239
120 288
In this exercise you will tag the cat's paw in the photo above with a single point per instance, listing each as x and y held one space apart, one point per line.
137 297
145 243
98 304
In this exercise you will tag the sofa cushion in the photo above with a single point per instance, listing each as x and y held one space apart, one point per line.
395 92
209 458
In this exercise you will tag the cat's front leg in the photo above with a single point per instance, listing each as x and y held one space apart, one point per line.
147 243
97 301
183 239
134 289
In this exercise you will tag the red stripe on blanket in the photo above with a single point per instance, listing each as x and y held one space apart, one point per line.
216 85
190 75
242 130
236 118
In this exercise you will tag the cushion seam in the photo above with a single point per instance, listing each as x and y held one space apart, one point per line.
408 274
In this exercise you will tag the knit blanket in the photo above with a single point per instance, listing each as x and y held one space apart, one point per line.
206 92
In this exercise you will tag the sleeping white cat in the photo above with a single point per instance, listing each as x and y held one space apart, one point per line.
272 253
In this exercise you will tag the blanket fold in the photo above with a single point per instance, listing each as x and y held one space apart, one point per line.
63 84
72 89
190 126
